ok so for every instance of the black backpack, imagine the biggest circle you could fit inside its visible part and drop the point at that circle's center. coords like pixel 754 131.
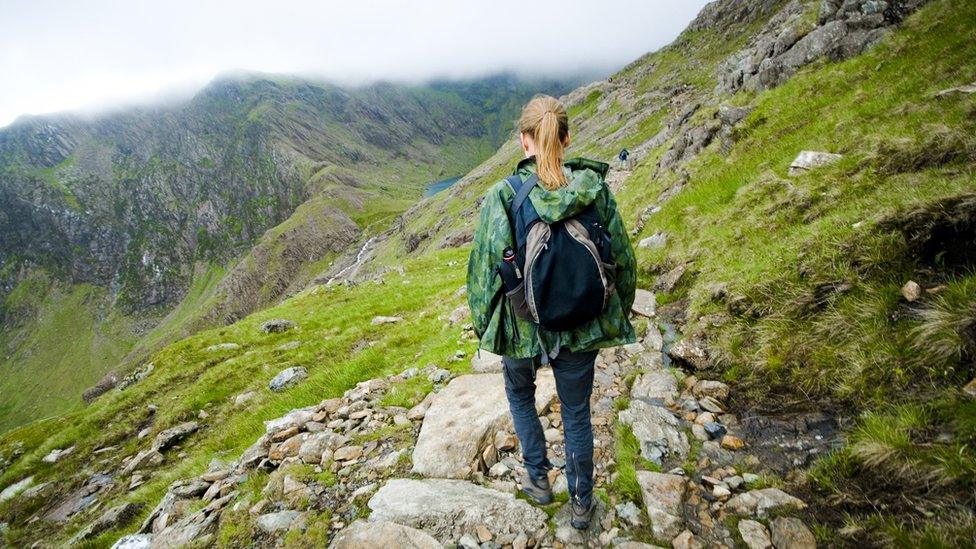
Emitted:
pixel 560 275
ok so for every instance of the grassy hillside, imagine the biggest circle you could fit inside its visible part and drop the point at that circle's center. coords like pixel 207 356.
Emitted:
pixel 792 283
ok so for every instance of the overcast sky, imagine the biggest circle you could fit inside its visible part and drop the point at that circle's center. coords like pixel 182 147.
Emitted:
pixel 87 54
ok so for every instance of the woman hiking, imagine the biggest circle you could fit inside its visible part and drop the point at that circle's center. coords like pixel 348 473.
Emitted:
pixel 551 279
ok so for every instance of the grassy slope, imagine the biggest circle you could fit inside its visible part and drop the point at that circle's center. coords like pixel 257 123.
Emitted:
pixel 857 352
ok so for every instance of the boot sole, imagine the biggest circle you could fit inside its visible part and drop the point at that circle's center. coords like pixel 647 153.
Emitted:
pixel 543 501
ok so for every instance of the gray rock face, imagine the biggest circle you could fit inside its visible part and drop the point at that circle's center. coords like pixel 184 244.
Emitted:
pixel 657 430
pixel 788 42
pixel 662 495
pixel 381 534
pixel 114 517
pixel 463 417
pixel 171 436
pixel 657 240
pixel 448 509
pixel 808 160
pixel 287 378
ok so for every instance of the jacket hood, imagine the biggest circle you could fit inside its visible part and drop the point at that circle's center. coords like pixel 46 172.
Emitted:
pixel 584 183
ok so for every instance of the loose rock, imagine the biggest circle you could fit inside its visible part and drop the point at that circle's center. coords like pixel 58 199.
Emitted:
pixel 287 378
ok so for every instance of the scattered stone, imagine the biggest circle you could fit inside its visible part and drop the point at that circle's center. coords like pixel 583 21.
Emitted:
pixel 658 388
pixel 733 443
pixel 808 160
pixel 439 375
pixel 505 441
pixel 15 489
pixel 486 362
pixel 459 314
pixel 451 508
pixel 460 418
pixel 244 398
pixel 686 540
pixel 657 240
pixel 663 494
pixel 113 518
pixel 791 533
pixel 689 353
pixel 289 346
pixel 629 513
pixel 715 430
pixel 377 320
pixel 277 326
pixel 731 115
pixel 657 431
pixel 222 347
pixel 754 534
pixel 348 453
pixel 911 291
pixel 962 90
pixel 288 378
pixel 721 492
pixel 714 389
pixel 711 405
pixel 970 388
pixel 760 502
pixel 57 454
pixel 274 523
pixel 171 436
pixel 645 303
pixel 381 534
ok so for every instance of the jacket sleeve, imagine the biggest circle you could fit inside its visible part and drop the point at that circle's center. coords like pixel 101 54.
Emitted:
pixel 623 254
pixel 493 234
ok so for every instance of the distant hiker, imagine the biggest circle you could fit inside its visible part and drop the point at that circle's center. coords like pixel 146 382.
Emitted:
pixel 625 159
pixel 551 279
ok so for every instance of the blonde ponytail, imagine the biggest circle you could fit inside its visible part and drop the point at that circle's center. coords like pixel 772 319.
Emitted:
pixel 544 119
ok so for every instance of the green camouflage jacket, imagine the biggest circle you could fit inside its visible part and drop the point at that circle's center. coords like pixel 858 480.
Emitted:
pixel 494 320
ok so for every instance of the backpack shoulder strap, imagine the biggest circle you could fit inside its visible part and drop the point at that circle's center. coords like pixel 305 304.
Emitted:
pixel 522 193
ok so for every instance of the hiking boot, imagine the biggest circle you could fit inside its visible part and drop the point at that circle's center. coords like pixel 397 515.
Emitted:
pixel 537 489
pixel 582 515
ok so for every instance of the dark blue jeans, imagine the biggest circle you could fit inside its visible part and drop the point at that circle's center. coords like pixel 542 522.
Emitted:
pixel 574 384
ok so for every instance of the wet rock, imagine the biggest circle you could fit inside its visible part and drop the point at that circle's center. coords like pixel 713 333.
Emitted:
pixel 690 353
pixel 378 320
pixel 754 534
pixel 381 534
pixel 287 378
pixel 165 439
pixel 715 430
pixel 276 523
pixel 760 502
pixel 911 291
pixel 462 417
pixel 657 431
pixel 663 494
pixel 447 509
pixel 277 326
pixel 808 160
pixel 791 533
pixel 644 303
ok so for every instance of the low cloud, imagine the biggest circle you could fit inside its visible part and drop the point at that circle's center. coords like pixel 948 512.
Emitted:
pixel 70 55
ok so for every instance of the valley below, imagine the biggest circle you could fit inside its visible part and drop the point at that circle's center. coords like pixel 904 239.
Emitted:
pixel 242 322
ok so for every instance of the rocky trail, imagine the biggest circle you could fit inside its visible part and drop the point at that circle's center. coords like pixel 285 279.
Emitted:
pixel 444 472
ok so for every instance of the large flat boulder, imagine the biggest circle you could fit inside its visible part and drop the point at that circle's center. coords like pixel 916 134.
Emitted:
pixel 380 534
pixel 463 417
pixel 449 509
pixel 663 494
pixel 657 430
